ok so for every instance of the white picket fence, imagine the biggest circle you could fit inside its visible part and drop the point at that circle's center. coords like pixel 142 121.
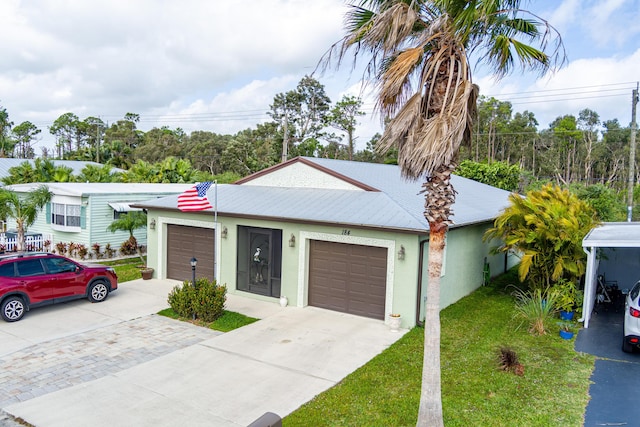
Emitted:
pixel 31 243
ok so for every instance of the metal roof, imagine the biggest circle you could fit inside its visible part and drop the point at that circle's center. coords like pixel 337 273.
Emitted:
pixel 475 202
pixel 80 189
pixel 398 205
pixel 613 235
pixel 123 206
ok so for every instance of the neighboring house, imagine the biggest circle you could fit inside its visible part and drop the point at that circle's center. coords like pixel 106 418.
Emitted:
pixel 340 235
pixel 81 212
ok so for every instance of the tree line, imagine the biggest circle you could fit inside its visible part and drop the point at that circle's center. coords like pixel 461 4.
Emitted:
pixel 574 150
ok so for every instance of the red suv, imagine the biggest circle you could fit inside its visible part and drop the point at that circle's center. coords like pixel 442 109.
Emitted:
pixel 29 280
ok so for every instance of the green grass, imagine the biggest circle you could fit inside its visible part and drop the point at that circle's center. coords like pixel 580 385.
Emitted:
pixel 475 392
pixel 126 269
pixel 229 320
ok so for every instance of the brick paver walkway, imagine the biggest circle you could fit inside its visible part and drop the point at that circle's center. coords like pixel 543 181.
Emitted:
pixel 54 365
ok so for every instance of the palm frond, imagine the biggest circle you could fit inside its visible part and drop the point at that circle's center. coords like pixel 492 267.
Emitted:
pixel 396 81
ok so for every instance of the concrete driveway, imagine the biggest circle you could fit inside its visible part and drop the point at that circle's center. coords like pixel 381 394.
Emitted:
pixel 614 381
pixel 116 363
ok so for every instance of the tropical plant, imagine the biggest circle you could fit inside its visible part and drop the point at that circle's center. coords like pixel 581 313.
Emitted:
pixel 418 57
pixel 130 221
pixel 567 295
pixel 24 209
pixel 547 228
pixel 536 307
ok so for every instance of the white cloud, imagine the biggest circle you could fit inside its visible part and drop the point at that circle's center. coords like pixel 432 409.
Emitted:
pixel 216 66
pixel 600 84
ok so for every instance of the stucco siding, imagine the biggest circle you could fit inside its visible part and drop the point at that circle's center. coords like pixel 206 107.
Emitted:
pixel 465 254
pixel 402 276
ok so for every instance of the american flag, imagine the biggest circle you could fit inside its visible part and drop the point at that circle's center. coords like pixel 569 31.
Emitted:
pixel 195 198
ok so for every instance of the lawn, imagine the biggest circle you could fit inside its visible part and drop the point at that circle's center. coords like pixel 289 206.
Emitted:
pixel 475 392
pixel 127 269
pixel 229 320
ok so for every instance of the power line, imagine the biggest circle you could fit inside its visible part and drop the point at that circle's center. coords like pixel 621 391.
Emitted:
pixel 526 97
pixel 571 88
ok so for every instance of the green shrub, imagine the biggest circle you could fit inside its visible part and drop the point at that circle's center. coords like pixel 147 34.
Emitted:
pixel 210 299
pixel 205 300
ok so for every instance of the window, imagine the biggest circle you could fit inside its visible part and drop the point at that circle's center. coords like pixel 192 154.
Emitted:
pixel 59 265
pixel 118 214
pixel 65 215
pixel 30 267
pixel 7 270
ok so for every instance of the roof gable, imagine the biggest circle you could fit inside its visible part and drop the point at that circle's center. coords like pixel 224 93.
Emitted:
pixel 302 172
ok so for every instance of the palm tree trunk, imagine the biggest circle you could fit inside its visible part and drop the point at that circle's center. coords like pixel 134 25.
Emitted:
pixel 430 412
pixel 439 197
pixel 20 237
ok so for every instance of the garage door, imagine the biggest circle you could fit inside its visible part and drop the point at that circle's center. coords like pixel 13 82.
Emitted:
pixel 184 243
pixel 348 278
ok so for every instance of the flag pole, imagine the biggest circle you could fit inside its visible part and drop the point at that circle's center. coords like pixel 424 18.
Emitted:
pixel 215 221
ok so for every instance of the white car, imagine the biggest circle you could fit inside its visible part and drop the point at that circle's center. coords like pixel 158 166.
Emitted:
pixel 631 338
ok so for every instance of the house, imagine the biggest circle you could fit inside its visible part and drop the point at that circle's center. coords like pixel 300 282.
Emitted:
pixel 341 235
pixel 81 212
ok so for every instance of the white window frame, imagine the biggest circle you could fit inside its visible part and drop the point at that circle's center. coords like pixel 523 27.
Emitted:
pixel 70 214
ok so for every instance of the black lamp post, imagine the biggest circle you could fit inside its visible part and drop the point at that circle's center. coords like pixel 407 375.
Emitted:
pixel 194 262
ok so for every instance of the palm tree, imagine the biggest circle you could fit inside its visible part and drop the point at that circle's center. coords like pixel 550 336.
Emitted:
pixel 418 54
pixel 129 222
pixel 23 209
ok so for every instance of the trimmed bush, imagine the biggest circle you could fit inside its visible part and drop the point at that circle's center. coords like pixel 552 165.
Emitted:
pixel 205 300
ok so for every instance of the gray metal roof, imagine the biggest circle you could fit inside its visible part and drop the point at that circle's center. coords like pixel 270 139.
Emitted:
pixel 84 189
pixel 75 165
pixel 475 202
pixel 613 235
pixel 398 205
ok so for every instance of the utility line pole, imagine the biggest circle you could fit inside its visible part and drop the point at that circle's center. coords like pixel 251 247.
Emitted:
pixel 632 152
pixel 98 142
pixel 285 139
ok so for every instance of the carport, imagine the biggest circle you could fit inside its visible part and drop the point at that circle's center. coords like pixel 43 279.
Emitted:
pixel 613 251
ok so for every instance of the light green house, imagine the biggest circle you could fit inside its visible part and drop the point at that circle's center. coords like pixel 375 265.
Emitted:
pixel 81 212
pixel 344 236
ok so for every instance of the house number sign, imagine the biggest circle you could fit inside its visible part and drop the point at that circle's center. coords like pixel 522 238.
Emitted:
pixel 346 232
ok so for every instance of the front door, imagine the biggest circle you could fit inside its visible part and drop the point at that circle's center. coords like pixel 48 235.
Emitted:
pixel 259 259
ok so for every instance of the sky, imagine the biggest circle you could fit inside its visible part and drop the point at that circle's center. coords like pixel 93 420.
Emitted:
pixel 217 66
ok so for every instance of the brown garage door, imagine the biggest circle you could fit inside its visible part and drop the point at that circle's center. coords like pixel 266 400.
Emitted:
pixel 348 278
pixel 184 243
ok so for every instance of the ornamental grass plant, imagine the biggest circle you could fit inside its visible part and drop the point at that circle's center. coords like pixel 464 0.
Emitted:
pixel 535 307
